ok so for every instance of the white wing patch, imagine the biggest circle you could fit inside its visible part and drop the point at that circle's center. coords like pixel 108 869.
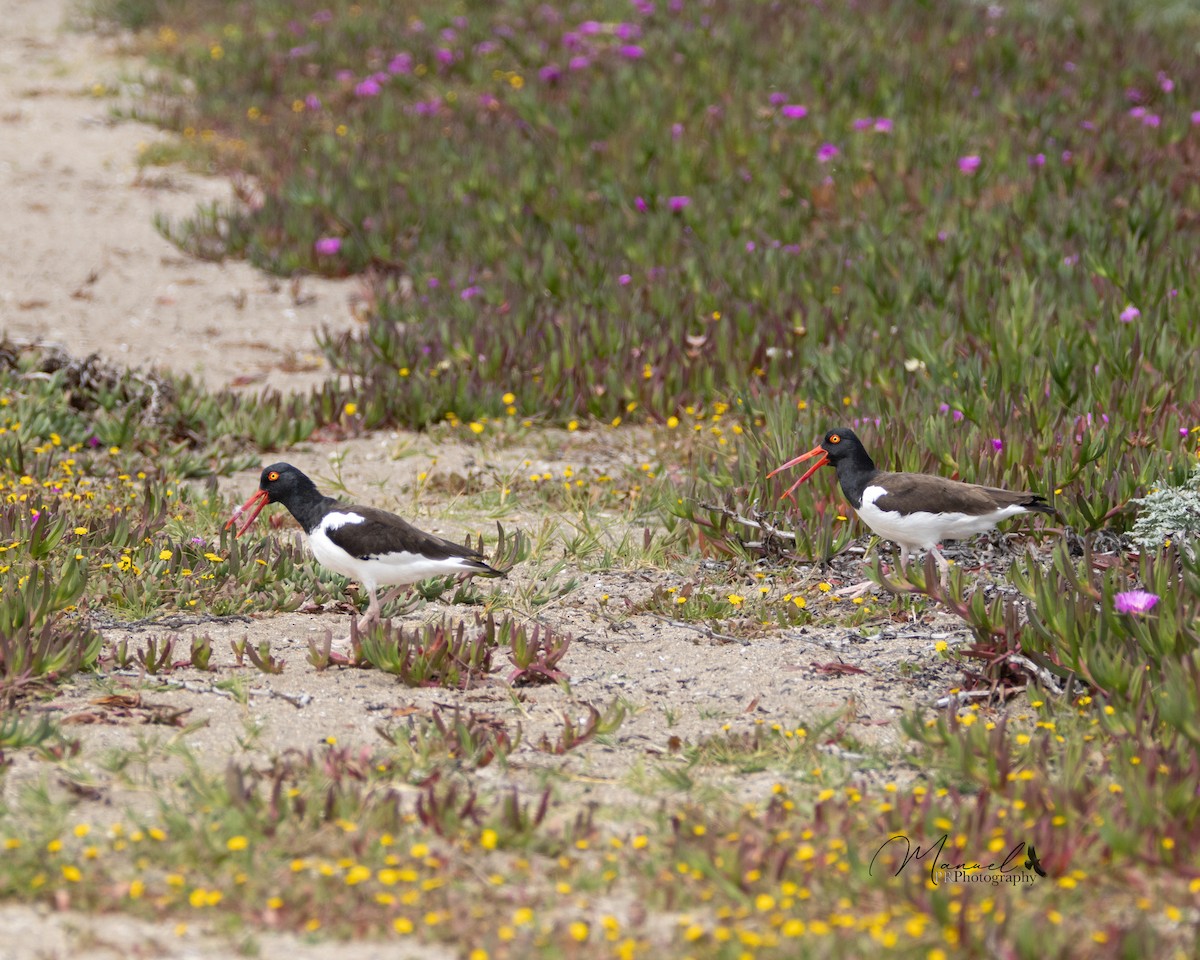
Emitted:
pixel 924 529
pixel 334 520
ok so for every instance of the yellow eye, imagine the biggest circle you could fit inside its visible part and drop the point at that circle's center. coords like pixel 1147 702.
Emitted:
pixel 834 438
pixel 272 475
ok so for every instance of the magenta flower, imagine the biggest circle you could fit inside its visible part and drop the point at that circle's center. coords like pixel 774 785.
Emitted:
pixel 1134 601
pixel 969 164
pixel 794 111
pixel 997 444
pixel 631 51
pixel 1130 313
pixel 777 98
pixel 1196 116
pixel 327 246
pixel 1037 160
pixel 550 73
pixel 679 203
pixel 883 125
pixel 1152 120
pixel 468 292
pixel 640 204
pixel 627 31
pixel 750 246
pixel 368 88
pixel 579 63
pixel 400 63
pixel 624 279
pixel 1165 83
pixel 313 102
pixel 864 123
pixel 827 152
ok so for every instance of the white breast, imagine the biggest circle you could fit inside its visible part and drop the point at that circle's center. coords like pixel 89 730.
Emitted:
pixel 925 529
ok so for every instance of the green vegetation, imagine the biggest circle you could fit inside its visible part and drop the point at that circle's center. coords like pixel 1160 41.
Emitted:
pixel 968 231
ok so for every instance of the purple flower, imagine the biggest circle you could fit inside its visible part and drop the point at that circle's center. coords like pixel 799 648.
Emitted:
pixel 433 283
pixel 344 76
pixel 1037 160
pixel 368 88
pixel 1130 313
pixel 1134 601
pixel 1137 112
pixel 550 73
pixel 472 291
pixel 826 152
pixel 794 111
pixel 997 444
pixel 313 102
pixel 956 416
pixel 777 98
pixel 444 56
pixel 864 123
pixel 644 7
pixel 591 27
pixel 943 408
pixel 484 47
pixel 1196 116
pixel 1152 120
pixel 676 204
pixel 400 63
pixel 627 31
pixel 1165 83
pixel 198 541
pixel 676 131
pixel 631 51
pixel 1066 156
pixel 322 16
pixel 327 246
pixel 969 164
pixel 883 125
pixel 579 63
pixel 750 246
pixel 640 204
pixel 624 279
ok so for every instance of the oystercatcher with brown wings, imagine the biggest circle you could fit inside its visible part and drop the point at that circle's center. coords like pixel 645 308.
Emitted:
pixel 366 544
pixel 915 510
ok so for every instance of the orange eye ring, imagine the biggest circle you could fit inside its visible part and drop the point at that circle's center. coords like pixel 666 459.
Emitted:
pixel 272 475
pixel 834 438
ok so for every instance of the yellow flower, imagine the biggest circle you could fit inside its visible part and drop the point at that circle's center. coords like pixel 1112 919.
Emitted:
pixel 488 839
pixel 508 399
pixel 736 599
pixel 476 427
pixel 402 925
pixel 81 531
pixel 71 874
pixel 164 554
pixel 579 931
pixel 237 843
pixel 350 409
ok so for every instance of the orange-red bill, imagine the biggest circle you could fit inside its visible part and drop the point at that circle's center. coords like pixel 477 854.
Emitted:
pixel 260 499
pixel 822 458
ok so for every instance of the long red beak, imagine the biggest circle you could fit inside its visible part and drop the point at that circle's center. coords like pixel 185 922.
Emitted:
pixel 822 459
pixel 260 499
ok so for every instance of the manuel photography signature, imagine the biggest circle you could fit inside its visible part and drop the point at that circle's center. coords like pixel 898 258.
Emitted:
pixel 1020 858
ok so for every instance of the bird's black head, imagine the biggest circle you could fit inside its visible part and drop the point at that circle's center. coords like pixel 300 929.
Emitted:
pixel 280 481
pixel 840 444
pixel 841 448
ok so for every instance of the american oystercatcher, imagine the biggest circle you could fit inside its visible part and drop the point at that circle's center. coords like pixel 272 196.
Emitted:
pixel 366 544
pixel 916 510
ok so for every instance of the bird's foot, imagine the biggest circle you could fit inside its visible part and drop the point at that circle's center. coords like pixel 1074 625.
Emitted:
pixel 855 590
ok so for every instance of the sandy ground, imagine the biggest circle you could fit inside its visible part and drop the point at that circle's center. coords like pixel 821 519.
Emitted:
pixel 84 268
pixel 83 264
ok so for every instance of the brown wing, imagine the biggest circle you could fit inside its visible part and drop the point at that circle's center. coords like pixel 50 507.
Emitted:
pixel 913 492
pixel 382 533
